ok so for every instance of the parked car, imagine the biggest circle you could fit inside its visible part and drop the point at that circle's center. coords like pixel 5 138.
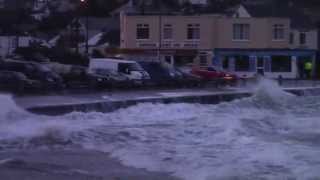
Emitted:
pixel 76 77
pixel 131 69
pixel 17 82
pixel 190 79
pixel 35 71
pixel 108 77
pixel 182 78
pixel 214 74
pixel 160 76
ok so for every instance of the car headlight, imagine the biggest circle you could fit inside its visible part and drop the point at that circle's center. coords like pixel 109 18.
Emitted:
pixel 50 80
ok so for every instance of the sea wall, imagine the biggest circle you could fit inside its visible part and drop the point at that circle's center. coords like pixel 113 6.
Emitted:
pixel 109 106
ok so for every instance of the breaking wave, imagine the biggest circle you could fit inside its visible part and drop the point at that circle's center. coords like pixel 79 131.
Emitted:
pixel 271 135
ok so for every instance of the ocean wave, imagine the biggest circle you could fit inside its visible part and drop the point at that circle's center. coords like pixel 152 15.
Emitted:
pixel 271 135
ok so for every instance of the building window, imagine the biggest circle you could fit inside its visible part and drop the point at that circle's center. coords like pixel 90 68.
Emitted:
pixel 143 31
pixel 303 38
pixel 203 60
pixel 281 64
pixel 168 59
pixel 291 40
pixel 241 31
pixel 225 62
pixel 193 31
pixel 14 43
pixel 278 32
pixel 167 32
pixel 242 63
pixel 1 3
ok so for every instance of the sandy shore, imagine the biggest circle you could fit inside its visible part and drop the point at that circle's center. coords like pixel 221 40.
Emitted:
pixel 69 165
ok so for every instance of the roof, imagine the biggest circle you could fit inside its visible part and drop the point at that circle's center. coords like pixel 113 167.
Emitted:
pixel 101 24
pixel 267 51
pixel 148 7
pixel 299 19
pixel 98 26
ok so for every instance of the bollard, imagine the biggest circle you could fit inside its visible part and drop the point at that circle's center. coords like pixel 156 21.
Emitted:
pixel 280 80
pixel 314 81
pixel 244 80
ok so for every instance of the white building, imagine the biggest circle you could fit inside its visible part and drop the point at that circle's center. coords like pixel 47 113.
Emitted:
pixel 9 43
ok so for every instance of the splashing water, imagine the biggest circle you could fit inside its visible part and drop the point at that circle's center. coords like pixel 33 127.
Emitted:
pixel 271 135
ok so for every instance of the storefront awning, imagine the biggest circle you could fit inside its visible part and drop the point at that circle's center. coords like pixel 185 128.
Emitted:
pixel 265 52
pixel 175 52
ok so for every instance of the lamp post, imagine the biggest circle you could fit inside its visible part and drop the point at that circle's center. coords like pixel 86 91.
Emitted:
pixel 160 37
pixel 85 4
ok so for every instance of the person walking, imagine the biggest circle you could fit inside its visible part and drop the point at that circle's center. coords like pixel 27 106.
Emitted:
pixel 308 69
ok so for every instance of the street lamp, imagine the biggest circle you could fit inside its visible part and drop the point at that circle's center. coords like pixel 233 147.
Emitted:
pixel 84 3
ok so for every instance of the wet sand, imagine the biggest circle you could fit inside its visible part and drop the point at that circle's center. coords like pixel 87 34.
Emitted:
pixel 69 165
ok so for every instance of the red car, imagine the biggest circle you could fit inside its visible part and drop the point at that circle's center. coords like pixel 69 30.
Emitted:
pixel 211 73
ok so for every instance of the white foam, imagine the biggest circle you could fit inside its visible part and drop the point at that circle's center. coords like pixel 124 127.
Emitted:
pixel 248 138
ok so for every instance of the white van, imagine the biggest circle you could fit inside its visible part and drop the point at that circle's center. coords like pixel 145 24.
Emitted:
pixel 131 69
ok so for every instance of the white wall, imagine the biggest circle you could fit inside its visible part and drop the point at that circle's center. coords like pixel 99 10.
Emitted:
pixel 311 39
pixel 241 12
pixel 8 44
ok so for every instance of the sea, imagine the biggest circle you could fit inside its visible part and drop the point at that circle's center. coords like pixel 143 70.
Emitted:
pixel 272 135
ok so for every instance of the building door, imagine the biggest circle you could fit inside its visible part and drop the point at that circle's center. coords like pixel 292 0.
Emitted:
pixel 260 65
pixel 169 60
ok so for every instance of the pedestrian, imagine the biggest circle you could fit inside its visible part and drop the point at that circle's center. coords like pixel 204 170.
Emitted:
pixel 308 69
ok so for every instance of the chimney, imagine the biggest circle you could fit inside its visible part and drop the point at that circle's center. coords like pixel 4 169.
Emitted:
pixel 131 3
pixel 290 4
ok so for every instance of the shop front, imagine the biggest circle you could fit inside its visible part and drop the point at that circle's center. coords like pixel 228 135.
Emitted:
pixel 272 63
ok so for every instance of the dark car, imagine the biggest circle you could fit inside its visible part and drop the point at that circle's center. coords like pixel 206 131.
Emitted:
pixel 115 79
pixel 17 82
pixel 190 80
pixel 35 71
pixel 160 76
pixel 77 77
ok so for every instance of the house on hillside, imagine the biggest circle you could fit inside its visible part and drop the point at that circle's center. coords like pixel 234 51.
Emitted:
pixel 8 5
pixel 9 43
pixel 40 9
pixel 147 7
pixel 99 32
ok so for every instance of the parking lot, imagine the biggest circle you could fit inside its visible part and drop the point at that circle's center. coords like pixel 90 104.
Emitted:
pixel 26 77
